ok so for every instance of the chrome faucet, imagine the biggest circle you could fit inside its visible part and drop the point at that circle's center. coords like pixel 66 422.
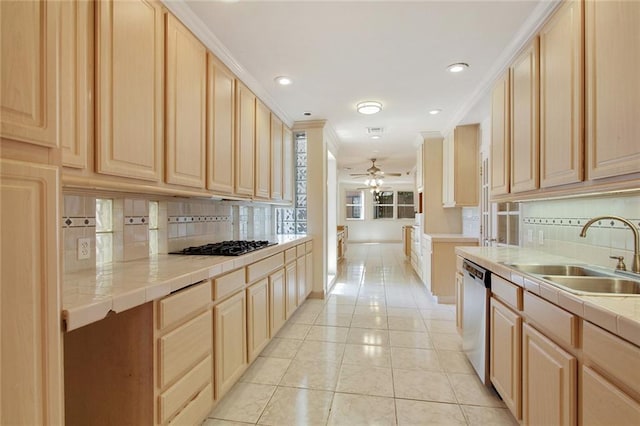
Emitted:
pixel 635 266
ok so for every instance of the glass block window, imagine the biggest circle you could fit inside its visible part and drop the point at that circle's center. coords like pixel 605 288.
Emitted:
pixel 104 231
pixel 383 205
pixel 406 208
pixel 293 220
pixel 354 207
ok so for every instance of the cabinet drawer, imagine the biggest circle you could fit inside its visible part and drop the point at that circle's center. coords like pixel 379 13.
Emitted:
pixel 186 388
pixel 181 304
pixel 182 348
pixel 555 321
pixel 611 355
pixel 308 246
pixel 263 267
pixel 290 255
pixel 508 292
pixel 228 284
pixel 197 410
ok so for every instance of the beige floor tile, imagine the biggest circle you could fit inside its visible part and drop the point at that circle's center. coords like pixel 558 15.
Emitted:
pixel 320 351
pixel 312 375
pixel 441 326
pixel 218 422
pixel 301 317
pixel 342 299
pixel 366 309
pixel 428 413
pixel 415 359
pixel 244 403
pixel 455 362
pixel 291 406
pixel 356 410
pixel 438 314
pixel 368 336
pixel 338 309
pixel 369 355
pixel 365 380
pixel 336 320
pixel 469 390
pixel 328 334
pixel 281 348
pixel 486 416
pixel 422 385
pixel 406 323
pixel 410 339
pixel 369 321
pixel 404 312
pixel 294 331
pixel 266 371
pixel 446 341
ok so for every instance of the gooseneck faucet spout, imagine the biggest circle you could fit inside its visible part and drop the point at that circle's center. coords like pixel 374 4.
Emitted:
pixel 635 267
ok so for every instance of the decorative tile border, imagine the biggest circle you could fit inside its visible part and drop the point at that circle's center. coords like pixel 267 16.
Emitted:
pixel 136 220
pixel 577 222
pixel 78 222
pixel 194 219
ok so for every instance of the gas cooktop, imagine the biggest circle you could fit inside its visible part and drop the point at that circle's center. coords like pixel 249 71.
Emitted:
pixel 226 248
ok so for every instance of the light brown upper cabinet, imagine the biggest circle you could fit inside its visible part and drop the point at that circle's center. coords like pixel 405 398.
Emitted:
pixel 500 136
pixel 461 168
pixel 561 97
pixel 220 127
pixel 262 152
pixel 612 85
pixel 287 164
pixel 276 158
pixel 76 82
pixel 245 139
pixel 29 71
pixel 525 141
pixel 129 88
pixel 186 75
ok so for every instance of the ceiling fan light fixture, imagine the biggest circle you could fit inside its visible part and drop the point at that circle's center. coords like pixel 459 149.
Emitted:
pixel 457 67
pixel 435 111
pixel 369 107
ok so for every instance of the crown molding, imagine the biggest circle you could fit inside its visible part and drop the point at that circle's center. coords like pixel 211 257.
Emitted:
pixel 192 21
pixel 431 135
pixel 525 34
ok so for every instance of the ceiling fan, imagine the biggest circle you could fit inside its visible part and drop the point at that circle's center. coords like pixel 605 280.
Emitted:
pixel 375 172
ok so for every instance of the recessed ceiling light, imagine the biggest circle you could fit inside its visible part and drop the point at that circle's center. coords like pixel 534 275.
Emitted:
pixel 457 67
pixel 375 137
pixel 435 111
pixel 369 107
pixel 283 81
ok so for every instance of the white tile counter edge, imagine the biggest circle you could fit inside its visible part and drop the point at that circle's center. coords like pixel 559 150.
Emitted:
pixel 618 314
pixel 88 296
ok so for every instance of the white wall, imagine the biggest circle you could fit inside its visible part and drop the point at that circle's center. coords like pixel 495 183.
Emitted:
pixel 372 230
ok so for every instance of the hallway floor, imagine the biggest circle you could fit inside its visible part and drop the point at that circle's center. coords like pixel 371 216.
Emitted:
pixel 378 351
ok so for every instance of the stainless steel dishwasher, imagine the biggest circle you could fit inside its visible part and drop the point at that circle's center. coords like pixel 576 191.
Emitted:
pixel 475 321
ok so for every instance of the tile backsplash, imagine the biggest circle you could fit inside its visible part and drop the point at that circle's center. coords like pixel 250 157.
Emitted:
pixel 554 226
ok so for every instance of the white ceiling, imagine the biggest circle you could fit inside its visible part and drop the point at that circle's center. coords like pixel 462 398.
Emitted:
pixel 341 53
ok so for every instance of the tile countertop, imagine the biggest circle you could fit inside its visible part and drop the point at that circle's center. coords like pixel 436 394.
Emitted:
pixel 617 314
pixel 89 295
pixel 451 238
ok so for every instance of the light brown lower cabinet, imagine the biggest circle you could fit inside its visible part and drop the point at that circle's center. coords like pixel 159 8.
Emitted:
pixel 301 271
pixel 291 289
pixel 258 332
pixel 459 300
pixel 277 301
pixel 605 404
pixel 549 381
pixel 309 273
pixel 505 358
pixel 230 349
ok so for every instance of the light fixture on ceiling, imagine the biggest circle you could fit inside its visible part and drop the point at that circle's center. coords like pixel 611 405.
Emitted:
pixel 283 80
pixel 369 107
pixel 457 67
pixel 435 111
pixel 375 137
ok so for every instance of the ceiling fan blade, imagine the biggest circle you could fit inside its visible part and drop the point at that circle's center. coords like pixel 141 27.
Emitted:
pixel 393 174
pixel 358 174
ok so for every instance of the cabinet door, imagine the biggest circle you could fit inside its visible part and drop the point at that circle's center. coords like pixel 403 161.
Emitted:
pixel 129 88
pixel 29 71
pixel 31 362
pixel 230 324
pixel 220 127
pixel 301 276
pixel 287 164
pixel 549 381
pixel 245 139
pixel 257 318
pixel 76 82
pixel 459 300
pixel 466 165
pixel 448 199
pixel 505 368
pixel 612 58
pixel 605 404
pixel 500 135
pixel 561 98
pixel 262 152
pixel 524 121
pixel 276 158
pixel 292 289
pixel 309 274
pixel 277 301
pixel 186 74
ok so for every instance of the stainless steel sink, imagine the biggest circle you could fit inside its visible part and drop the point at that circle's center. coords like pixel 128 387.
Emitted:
pixel 590 284
pixel 561 270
